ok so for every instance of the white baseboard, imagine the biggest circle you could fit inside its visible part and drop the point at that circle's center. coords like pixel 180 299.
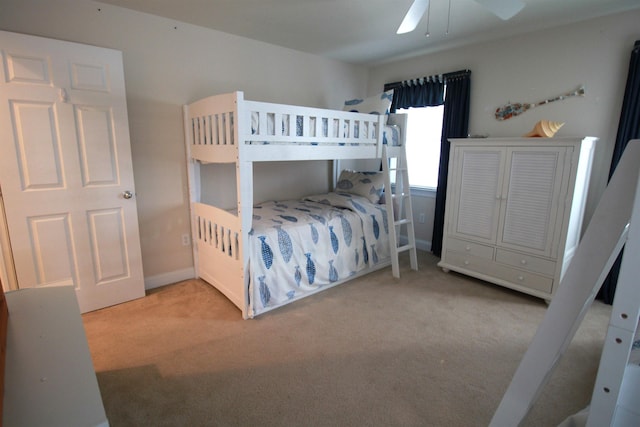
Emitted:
pixel 423 245
pixel 169 278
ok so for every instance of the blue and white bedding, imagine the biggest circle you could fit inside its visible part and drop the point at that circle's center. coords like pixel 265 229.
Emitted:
pixel 300 246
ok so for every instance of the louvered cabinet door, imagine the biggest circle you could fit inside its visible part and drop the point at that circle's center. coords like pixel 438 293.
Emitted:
pixel 531 199
pixel 475 203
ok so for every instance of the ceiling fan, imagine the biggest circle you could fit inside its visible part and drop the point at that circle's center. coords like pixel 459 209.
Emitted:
pixel 504 9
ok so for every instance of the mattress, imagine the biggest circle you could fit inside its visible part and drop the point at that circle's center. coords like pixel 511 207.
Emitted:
pixel 298 247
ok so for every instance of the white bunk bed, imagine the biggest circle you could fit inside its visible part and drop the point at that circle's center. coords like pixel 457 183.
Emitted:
pixel 232 255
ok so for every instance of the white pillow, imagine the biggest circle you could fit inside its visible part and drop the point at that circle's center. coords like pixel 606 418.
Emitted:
pixel 378 104
pixel 366 184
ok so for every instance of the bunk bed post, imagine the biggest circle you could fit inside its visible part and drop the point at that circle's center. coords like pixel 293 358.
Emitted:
pixel 244 177
pixel 336 166
pixel 244 188
pixel 193 180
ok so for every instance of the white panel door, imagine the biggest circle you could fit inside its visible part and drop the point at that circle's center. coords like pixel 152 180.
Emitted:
pixel 65 169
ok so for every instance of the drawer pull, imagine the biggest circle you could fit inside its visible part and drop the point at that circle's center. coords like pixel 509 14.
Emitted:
pixel 467 248
pixel 523 261
pixel 521 278
pixel 466 262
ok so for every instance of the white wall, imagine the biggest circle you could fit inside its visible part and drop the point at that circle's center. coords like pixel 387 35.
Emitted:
pixel 168 64
pixel 534 67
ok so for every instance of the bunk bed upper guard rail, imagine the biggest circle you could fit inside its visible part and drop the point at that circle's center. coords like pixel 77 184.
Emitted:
pixel 222 125
pixel 298 124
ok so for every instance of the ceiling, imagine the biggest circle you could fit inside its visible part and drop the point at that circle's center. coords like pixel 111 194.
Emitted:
pixel 364 31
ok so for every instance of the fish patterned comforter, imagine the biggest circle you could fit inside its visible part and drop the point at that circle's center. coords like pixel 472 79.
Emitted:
pixel 300 246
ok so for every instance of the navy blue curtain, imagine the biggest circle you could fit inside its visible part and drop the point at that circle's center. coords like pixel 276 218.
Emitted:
pixel 454 91
pixel 426 92
pixel 455 125
pixel 628 129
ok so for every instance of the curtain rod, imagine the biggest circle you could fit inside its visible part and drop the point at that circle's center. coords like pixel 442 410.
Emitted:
pixel 446 76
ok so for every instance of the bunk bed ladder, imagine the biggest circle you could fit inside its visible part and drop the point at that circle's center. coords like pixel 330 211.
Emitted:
pixel 399 210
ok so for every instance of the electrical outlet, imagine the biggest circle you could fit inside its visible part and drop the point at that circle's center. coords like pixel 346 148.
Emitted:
pixel 421 218
pixel 186 241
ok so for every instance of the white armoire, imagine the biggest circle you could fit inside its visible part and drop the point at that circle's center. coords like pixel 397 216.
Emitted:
pixel 514 209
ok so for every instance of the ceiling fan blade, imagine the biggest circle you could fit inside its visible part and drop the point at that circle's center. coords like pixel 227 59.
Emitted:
pixel 503 9
pixel 413 16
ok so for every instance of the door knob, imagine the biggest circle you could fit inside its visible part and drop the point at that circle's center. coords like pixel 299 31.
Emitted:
pixel 127 194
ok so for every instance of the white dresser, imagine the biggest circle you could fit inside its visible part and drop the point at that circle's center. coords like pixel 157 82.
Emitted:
pixel 514 209
pixel 49 378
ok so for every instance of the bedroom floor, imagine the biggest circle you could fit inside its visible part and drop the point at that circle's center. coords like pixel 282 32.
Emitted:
pixel 432 349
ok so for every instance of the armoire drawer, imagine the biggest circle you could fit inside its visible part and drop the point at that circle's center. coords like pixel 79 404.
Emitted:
pixel 524 278
pixel 498 271
pixel 526 262
pixel 470 248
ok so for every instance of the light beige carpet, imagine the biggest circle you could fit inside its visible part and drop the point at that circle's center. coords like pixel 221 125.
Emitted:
pixel 430 349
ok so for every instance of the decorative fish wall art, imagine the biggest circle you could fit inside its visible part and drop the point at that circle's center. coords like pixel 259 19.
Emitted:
pixel 511 110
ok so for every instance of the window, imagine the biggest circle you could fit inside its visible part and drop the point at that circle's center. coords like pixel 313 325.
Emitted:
pixel 424 131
